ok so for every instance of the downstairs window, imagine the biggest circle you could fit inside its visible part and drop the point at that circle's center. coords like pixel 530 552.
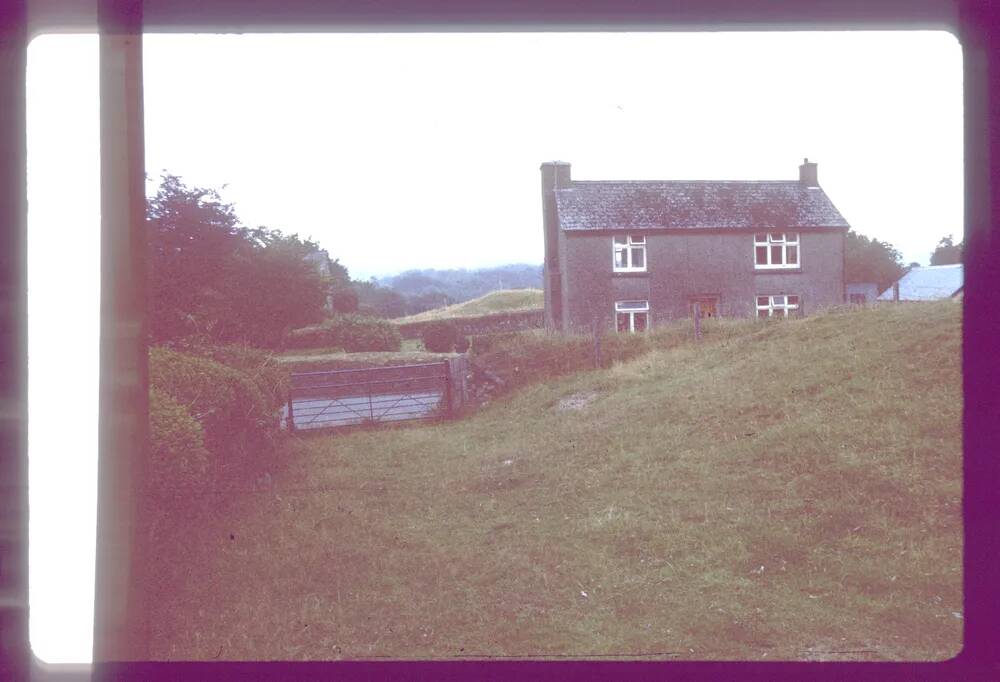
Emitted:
pixel 777 306
pixel 631 316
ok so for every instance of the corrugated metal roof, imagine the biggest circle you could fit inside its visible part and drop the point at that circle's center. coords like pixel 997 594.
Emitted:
pixel 645 205
pixel 928 284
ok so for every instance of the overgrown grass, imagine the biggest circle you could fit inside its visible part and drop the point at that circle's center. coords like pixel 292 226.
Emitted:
pixel 785 491
pixel 510 300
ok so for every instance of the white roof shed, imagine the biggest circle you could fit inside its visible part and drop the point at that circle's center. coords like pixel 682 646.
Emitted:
pixel 928 284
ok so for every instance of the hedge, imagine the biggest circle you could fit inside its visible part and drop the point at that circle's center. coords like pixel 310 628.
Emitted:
pixel 177 442
pixel 520 358
pixel 239 419
pixel 351 333
pixel 444 336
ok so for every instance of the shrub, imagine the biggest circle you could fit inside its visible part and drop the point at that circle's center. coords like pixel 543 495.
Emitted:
pixel 523 357
pixel 443 336
pixel 358 334
pixel 352 333
pixel 177 443
pixel 237 416
pixel 310 337
pixel 269 376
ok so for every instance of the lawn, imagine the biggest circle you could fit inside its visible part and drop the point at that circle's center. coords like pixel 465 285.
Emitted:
pixel 788 491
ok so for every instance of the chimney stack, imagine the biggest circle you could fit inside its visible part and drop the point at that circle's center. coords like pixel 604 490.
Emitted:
pixel 807 174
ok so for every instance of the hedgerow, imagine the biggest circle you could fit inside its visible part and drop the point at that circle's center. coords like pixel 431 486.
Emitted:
pixel 349 332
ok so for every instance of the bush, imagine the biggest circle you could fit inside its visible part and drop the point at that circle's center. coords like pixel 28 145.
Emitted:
pixel 443 336
pixel 524 357
pixel 261 367
pixel 237 416
pixel 352 333
pixel 177 443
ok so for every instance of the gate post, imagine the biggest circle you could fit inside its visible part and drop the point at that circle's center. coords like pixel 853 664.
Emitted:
pixel 371 407
pixel 447 388
pixel 290 419
pixel 697 320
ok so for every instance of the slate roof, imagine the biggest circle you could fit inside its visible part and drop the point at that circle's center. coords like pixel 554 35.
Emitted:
pixel 928 284
pixel 635 205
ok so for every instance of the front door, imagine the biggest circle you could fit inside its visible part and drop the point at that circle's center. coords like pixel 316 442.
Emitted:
pixel 709 305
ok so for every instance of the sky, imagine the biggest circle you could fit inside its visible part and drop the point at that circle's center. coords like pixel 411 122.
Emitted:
pixel 416 150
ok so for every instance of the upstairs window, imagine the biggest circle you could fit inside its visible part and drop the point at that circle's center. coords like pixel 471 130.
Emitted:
pixel 631 316
pixel 777 306
pixel 630 253
pixel 775 250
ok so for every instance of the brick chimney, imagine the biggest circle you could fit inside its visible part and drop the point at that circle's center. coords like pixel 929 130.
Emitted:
pixel 807 174
pixel 555 175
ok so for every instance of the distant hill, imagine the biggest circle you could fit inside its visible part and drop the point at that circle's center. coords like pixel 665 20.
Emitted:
pixel 463 285
pixel 493 302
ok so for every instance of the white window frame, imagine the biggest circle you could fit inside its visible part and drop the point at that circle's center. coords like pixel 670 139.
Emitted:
pixel 776 303
pixel 630 308
pixel 782 239
pixel 632 242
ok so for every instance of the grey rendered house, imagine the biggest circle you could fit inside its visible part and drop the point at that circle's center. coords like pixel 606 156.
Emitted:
pixel 628 255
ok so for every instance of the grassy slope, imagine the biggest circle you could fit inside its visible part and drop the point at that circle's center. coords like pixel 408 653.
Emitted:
pixel 790 492
pixel 494 302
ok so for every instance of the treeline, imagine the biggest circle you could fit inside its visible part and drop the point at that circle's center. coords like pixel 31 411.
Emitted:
pixel 213 280
pixel 871 260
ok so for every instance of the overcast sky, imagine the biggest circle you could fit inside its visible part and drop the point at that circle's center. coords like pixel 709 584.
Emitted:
pixel 406 151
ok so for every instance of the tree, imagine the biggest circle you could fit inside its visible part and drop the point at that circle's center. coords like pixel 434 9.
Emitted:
pixel 192 234
pixel 871 260
pixel 428 300
pixel 267 291
pixel 947 252
pixel 378 300
pixel 211 277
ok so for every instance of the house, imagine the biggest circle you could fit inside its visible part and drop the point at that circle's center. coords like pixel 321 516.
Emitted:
pixel 628 255
pixel 861 293
pixel 926 284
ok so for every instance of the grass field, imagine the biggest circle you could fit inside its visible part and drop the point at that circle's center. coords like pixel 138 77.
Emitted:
pixel 509 300
pixel 784 491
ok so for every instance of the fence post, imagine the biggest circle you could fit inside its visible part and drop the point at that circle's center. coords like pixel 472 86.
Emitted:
pixel 447 387
pixel 371 407
pixel 697 320
pixel 596 329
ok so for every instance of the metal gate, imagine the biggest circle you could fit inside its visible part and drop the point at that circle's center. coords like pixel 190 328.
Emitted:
pixel 372 395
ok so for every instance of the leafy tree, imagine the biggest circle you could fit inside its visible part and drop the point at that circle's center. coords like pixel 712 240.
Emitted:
pixel 378 300
pixel 192 233
pixel 871 260
pixel 428 300
pixel 267 291
pixel 947 252
pixel 213 278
